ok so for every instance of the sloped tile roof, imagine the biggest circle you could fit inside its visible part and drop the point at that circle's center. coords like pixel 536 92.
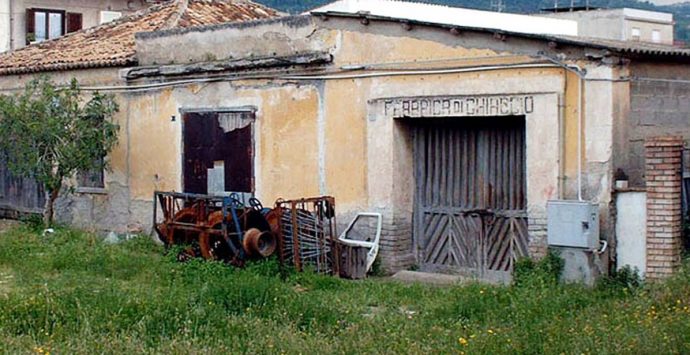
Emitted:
pixel 112 44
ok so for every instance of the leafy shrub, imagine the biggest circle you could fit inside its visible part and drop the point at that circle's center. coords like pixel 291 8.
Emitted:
pixel 33 222
pixel 546 271
pixel 625 279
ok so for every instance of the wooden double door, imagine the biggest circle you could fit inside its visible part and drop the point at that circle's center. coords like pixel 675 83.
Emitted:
pixel 470 214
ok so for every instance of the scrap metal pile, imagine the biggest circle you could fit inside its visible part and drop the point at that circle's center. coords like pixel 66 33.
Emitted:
pixel 229 229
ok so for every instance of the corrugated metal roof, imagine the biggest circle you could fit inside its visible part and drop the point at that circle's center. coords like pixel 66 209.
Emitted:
pixel 630 47
pixel 440 14
pixel 113 44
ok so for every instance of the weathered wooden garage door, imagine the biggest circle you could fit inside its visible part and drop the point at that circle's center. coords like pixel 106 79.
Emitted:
pixel 470 202
pixel 19 196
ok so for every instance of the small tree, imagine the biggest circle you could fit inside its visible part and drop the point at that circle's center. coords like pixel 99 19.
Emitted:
pixel 50 134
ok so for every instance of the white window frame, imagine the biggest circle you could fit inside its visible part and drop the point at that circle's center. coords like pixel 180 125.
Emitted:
pixel 636 34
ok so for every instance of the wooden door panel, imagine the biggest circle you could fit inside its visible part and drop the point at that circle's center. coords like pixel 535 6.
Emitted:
pixel 470 198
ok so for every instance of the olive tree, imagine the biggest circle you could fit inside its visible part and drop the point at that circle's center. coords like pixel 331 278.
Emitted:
pixel 50 134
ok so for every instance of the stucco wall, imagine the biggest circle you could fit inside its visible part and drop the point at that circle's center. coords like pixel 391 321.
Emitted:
pixel 666 34
pixel 5 24
pixel 284 36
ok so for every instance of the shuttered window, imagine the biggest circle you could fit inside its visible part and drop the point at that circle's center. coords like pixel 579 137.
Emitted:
pixel 44 24
pixel 74 22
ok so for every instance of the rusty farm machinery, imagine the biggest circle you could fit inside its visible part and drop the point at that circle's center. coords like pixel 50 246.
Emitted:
pixel 236 228
pixel 223 228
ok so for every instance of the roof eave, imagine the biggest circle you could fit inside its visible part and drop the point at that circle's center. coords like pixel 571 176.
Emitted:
pixel 684 54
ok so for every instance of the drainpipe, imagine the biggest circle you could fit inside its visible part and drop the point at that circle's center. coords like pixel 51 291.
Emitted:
pixel 579 137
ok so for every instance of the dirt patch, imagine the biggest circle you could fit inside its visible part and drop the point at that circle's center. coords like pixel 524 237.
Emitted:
pixel 7 224
pixel 6 281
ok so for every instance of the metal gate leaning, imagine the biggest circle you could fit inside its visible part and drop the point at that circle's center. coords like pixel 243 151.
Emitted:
pixel 470 214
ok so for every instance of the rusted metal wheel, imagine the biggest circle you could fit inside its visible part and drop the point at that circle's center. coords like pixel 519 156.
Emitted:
pixel 259 243
pixel 214 246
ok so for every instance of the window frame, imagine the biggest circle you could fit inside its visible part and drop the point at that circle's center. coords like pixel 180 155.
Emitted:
pixel 47 12
pixel 634 36
pixel 86 181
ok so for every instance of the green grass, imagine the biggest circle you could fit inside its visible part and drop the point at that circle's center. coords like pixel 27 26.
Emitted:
pixel 70 293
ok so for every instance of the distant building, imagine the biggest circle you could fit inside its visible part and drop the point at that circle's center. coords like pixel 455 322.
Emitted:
pixel 620 24
pixel 28 21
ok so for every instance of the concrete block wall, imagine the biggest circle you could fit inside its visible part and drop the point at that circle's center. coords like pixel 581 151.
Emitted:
pixel 657 108
pixel 663 170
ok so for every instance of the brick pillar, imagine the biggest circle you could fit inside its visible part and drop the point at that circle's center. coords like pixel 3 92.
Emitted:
pixel 664 210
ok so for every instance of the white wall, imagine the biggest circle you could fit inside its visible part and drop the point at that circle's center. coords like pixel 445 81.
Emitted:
pixel 617 24
pixel 4 25
pixel 631 230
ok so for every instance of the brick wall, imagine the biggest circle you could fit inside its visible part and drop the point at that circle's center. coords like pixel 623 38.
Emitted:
pixel 664 211
pixel 538 245
pixel 396 244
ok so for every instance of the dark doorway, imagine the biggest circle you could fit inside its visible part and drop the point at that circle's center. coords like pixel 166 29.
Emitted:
pixel 470 213
pixel 218 152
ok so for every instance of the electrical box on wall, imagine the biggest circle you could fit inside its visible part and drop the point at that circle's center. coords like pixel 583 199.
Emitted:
pixel 573 224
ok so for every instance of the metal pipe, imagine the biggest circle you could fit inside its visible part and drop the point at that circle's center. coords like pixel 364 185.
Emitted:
pixel 144 87
pixel 581 75
pixel 580 154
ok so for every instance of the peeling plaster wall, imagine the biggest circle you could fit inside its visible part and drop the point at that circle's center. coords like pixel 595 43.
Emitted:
pixel 288 35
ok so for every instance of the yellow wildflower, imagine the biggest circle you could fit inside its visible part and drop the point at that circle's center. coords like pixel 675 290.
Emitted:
pixel 463 341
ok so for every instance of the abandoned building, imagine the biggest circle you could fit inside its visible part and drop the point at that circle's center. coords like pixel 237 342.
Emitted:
pixel 460 136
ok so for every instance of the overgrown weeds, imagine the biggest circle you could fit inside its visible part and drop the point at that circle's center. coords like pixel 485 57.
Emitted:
pixel 71 293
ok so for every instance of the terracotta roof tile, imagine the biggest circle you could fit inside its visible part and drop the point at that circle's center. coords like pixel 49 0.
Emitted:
pixel 113 44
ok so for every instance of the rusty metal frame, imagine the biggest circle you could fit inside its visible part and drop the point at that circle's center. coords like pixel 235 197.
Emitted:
pixel 316 244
